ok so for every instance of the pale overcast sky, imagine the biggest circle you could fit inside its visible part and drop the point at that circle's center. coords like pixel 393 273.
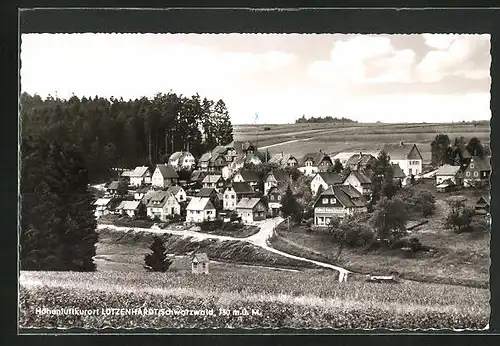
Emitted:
pixel 368 78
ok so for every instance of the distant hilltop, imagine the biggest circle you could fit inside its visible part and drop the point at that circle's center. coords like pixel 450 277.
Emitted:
pixel 328 119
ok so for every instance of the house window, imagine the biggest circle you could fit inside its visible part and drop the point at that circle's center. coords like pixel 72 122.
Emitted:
pixel 471 165
pixel 272 197
pixel 209 212
pixel 332 200
pixel 232 196
pixel 467 174
pixel 325 200
pixel 476 174
pixel 279 198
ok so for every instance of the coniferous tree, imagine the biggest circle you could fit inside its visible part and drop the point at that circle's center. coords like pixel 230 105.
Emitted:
pixel 57 221
pixel 157 260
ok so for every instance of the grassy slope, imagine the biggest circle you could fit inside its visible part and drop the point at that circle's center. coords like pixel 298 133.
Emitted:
pixel 284 299
pixel 333 138
pixel 124 251
pixel 457 258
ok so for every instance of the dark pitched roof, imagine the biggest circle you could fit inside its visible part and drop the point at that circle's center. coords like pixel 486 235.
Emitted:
pixel 206 192
pixel 197 175
pixel 362 178
pixel 281 176
pixel 347 195
pixel 200 258
pixel 212 178
pixel 206 157
pixel 398 151
pixel 397 171
pixel 483 164
pixel 249 175
pixel 219 150
pixel 362 159
pixel 331 178
pixel 248 203
pixel 315 157
pixel 241 187
pixel 167 171
pixel 159 197
pixel 174 189
pixel 113 185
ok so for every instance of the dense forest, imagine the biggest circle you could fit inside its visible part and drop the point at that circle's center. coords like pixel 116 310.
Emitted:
pixel 327 119
pixel 117 133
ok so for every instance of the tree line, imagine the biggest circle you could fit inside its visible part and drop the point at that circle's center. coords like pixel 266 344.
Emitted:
pixel 328 119
pixel 113 132
pixel 445 151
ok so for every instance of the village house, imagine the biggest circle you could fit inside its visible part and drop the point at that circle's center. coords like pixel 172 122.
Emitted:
pixel 182 160
pixel 251 209
pixel 164 176
pixel 274 178
pixel 399 176
pixel 274 196
pixel 325 180
pixel 360 161
pixel 247 176
pixel 197 177
pixel 140 176
pixel 235 192
pixel 112 188
pixel 200 209
pixel 102 207
pixel 199 264
pixel 478 169
pixel 343 157
pixel 338 201
pixel 213 195
pixel 243 147
pixel 126 174
pixel 483 204
pixel 204 161
pixel 283 160
pixel 178 193
pixel 360 181
pixel 407 156
pixel 140 192
pixel 448 172
pixel 129 208
pixel 216 163
pixel 147 196
pixel 214 181
pixel 162 204
pixel 313 163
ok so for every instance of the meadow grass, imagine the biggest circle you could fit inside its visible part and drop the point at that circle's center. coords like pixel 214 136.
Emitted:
pixel 311 299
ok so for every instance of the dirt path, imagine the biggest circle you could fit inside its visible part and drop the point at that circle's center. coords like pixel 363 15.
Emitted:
pixel 259 239
pixel 287 142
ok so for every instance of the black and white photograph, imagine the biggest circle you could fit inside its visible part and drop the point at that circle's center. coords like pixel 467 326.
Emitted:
pixel 243 181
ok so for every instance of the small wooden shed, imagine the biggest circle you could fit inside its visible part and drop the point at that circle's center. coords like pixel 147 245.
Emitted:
pixel 199 263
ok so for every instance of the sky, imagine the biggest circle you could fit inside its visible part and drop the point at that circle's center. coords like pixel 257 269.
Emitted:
pixel 280 77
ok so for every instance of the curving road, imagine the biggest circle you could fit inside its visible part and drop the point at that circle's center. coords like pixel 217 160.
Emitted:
pixel 258 239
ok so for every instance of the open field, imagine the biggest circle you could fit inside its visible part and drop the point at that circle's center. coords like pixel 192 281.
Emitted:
pixel 310 299
pixel 334 138
pixel 461 259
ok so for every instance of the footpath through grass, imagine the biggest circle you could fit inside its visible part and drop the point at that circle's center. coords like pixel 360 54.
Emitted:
pixel 310 299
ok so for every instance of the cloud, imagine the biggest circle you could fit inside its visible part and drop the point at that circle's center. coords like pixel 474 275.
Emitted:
pixel 133 65
pixel 364 59
pixel 464 55
pixel 439 41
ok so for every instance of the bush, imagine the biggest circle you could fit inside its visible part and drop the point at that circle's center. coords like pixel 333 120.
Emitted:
pixel 267 128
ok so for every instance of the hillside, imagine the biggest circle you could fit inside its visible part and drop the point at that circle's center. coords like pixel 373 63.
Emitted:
pixel 334 138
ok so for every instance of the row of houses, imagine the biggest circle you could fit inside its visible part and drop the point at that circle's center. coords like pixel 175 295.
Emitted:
pixel 477 169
